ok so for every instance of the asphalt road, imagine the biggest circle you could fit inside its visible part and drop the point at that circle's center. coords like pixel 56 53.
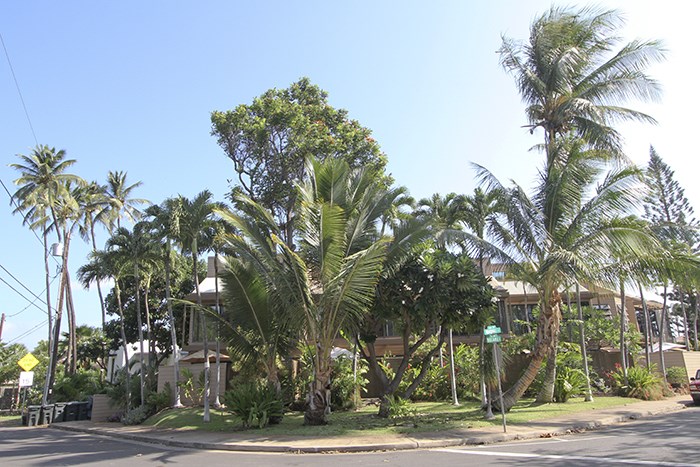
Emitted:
pixel 670 440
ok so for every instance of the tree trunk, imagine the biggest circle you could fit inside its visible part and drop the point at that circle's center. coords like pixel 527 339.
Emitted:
pixel 97 280
pixel 695 319
pixel 217 402
pixel 648 338
pixel 149 335
pixel 623 344
pixel 173 330
pixel 546 393
pixel 453 381
pixel 584 352
pixel 661 336
pixel 319 407
pixel 685 319
pixel 547 332
pixel 139 323
pixel 127 374
pixel 205 340
pixel 52 356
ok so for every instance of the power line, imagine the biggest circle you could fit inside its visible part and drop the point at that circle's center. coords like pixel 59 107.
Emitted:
pixel 20 294
pixel 21 98
pixel 22 284
pixel 30 331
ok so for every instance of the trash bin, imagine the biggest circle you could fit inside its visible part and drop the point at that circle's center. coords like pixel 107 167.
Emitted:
pixel 70 413
pixel 59 412
pixel 82 410
pixel 33 414
pixel 47 414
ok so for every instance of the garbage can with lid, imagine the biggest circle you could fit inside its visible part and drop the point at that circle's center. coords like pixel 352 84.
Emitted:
pixel 47 414
pixel 70 413
pixel 59 412
pixel 82 410
pixel 31 416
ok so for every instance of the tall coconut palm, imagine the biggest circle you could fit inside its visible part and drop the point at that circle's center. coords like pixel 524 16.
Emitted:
pixel 120 204
pixel 165 225
pixel 574 76
pixel 565 232
pixel 330 280
pixel 94 201
pixel 42 181
pixel 197 217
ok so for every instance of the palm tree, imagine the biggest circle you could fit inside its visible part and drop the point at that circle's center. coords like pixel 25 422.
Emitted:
pixel 135 249
pixel 42 182
pixel 564 233
pixel 573 77
pixel 120 204
pixel 110 264
pixel 330 280
pixel 94 201
pixel 198 216
pixel 165 227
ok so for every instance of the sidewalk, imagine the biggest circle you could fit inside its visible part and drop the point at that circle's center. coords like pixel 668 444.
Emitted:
pixel 250 441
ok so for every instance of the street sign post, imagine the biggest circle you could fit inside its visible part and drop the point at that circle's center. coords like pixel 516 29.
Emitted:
pixel 493 339
pixel 493 336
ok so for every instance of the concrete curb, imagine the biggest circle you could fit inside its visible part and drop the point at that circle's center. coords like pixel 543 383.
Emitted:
pixel 312 445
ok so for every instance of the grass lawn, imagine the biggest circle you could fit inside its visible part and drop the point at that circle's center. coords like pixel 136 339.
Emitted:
pixel 12 420
pixel 429 416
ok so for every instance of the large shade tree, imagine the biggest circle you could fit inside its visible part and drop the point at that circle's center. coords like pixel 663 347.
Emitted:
pixel 269 139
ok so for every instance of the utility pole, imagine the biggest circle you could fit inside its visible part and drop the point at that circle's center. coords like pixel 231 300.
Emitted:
pixel 2 323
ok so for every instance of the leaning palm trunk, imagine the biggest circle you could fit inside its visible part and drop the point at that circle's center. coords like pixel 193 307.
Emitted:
pixel 547 332
pixel 52 356
pixel 685 320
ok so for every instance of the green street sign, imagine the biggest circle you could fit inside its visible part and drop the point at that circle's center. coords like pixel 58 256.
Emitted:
pixel 491 330
pixel 493 339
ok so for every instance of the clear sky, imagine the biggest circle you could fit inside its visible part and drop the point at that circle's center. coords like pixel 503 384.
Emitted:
pixel 130 85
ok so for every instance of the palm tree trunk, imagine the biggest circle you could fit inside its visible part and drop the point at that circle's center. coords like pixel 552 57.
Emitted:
pixel 453 381
pixel 547 332
pixel 695 319
pixel 661 335
pixel 217 402
pixel 584 352
pixel 685 319
pixel 57 333
pixel 149 336
pixel 139 323
pixel 647 327
pixel 320 389
pixel 173 330
pixel 205 340
pixel 623 345
pixel 97 280
pixel 52 356
pixel 127 373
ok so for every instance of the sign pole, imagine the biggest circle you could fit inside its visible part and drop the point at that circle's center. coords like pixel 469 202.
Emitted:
pixel 500 389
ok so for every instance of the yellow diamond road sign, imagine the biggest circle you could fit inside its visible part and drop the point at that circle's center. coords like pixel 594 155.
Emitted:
pixel 28 362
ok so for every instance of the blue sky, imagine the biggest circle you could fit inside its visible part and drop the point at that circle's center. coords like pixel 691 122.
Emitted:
pixel 130 85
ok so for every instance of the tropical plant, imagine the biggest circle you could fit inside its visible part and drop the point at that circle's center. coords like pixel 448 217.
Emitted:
pixel 197 216
pixel 329 280
pixel 641 383
pixel 564 233
pixel 256 404
pixel 570 382
pixel 119 203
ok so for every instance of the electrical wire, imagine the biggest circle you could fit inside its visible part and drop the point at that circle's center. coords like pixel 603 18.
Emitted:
pixel 20 294
pixel 30 331
pixel 22 284
pixel 21 98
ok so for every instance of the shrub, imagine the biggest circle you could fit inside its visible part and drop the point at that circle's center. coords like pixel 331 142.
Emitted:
pixel 570 382
pixel 399 407
pixel 136 416
pixel 117 391
pixel 256 404
pixel 677 376
pixel 345 388
pixel 157 401
pixel 78 387
pixel 642 383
